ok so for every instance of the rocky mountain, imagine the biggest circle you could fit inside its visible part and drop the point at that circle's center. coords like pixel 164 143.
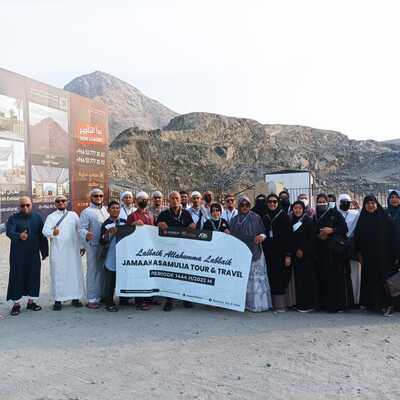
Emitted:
pixel 128 106
pixel 201 150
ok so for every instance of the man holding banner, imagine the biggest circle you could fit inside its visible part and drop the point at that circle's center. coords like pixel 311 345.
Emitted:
pixel 175 216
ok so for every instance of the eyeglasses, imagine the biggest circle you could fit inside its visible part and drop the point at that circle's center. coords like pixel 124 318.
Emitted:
pixel 229 200
pixel 25 205
pixel 98 195
pixel 273 201
pixel 247 205
pixel 61 201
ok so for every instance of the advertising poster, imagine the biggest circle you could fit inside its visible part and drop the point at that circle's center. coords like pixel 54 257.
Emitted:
pixel 52 142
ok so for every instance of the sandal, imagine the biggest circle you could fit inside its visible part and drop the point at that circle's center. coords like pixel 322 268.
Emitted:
pixel 16 309
pixel 145 307
pixel 111 308
pixel 33 306
pixel 93 306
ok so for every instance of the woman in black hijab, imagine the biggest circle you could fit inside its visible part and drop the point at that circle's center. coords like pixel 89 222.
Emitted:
pixel 277 251
pixel 333 269
pixel 303 248
pixel 375 241
pixel 260 206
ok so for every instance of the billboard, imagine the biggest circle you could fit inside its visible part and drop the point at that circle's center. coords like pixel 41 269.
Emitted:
pixel 51 142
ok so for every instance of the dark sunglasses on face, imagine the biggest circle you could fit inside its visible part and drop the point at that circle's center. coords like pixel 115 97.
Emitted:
pixel 247 205
pixel 61 201
pixel 25 205
pixel 98 195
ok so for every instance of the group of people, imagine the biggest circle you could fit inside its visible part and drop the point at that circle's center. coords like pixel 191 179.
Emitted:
pixel 331 258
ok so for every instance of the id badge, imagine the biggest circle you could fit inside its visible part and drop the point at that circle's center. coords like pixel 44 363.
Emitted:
pixel 271 234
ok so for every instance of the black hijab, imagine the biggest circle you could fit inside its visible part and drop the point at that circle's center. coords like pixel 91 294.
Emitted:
pixel 260 206
pixel 270 212
pixel 293 217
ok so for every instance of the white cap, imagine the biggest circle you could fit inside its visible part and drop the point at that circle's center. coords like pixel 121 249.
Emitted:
pixel 142 195
pixel 157 193
pixel 344 197
pixel 124 194
pixel 96 191
pixel 195 194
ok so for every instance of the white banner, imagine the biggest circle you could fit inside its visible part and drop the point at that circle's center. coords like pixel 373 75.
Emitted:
pixel 203 267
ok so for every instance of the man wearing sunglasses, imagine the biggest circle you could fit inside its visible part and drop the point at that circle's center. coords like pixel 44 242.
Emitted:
pixel 62 229
pixel 91 220
pixel 229 208
pixel 27 244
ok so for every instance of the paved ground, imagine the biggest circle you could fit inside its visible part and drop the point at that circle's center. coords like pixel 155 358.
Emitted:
pixel 201 353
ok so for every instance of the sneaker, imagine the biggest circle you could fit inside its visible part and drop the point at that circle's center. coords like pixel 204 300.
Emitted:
pixel 16 309
pixel 57 306
pixel 33 306
pixel 388 312
pixel 76 303
pixel 305 311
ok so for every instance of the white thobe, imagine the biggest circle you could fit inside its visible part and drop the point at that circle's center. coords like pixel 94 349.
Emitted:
pixel 351 218
pixel 227 214
pixel 65 261
pixel 126 211
pixel 196 214
pixel 91 220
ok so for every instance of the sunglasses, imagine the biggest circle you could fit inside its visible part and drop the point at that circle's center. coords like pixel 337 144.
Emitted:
pixel 229 200
pixel 25 205
pixel 273 201
pixel 61 201
pixel 247 205
pixel 98 195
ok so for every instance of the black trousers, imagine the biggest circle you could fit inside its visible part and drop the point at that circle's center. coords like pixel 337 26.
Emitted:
pixel 109 286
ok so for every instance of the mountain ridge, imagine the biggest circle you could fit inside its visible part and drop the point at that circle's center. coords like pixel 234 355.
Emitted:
pixel 127 105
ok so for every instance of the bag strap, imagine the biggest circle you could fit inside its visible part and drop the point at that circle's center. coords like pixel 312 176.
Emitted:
pixel 61 220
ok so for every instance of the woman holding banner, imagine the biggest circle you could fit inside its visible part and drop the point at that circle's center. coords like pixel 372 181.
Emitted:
pixel 249 228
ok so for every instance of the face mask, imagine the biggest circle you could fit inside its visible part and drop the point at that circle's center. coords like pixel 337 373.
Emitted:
pixel 321 208
pixel 142 204
pixel 332 204
pixel 305 202
pixel 344 205
pixel 285 202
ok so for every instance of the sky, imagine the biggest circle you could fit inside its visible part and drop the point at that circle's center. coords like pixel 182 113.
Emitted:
pixel 327 64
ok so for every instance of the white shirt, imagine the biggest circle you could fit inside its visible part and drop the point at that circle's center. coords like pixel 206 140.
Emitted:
pixel 351 218
pixel 126 211
pixel 227 214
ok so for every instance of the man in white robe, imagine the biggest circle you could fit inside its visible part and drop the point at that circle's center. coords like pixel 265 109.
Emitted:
pixel 66 273
pixel 127 205
pixel 91 220
pixel 230 210
pixel 351 218
pixel 196 211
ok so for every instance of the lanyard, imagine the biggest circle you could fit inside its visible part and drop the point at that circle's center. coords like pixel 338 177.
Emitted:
pixel 273 219
pixel 219 224
pixel 177 219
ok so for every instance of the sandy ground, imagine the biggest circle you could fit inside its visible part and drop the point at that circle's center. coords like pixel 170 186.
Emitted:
pixel 201 353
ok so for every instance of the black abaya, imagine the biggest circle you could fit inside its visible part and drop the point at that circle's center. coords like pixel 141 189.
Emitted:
pixel 276 247
pixel 335 289
pixel 375 239
pixel 303 238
